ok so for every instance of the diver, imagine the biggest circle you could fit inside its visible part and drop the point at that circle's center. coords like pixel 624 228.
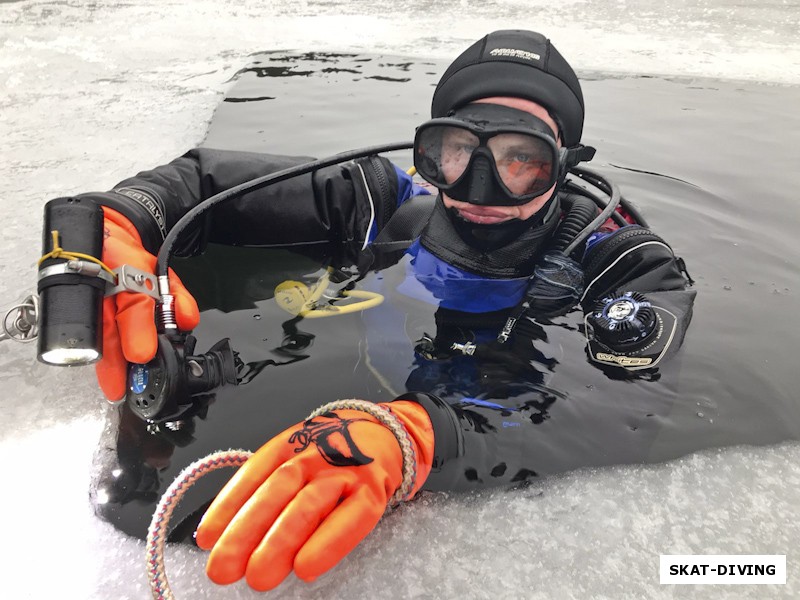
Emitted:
pixel 499 243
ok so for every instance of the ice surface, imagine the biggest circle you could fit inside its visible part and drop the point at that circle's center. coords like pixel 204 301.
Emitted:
pixel 92 92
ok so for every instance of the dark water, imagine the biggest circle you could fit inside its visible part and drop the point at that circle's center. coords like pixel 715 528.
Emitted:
pixel 713 166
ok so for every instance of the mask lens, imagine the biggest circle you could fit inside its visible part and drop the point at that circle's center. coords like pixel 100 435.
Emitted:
pixel 442 153
pixel 524 162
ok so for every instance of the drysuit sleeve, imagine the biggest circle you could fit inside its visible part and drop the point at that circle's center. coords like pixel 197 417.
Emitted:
pixel 634 259
pixel 477 447
pixel 481 444
pixel 342 203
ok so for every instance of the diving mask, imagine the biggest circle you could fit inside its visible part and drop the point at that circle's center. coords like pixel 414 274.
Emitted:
pixel 488 154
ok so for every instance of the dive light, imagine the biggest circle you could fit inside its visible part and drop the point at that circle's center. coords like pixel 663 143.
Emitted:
pixel 70 287
pixel 72 284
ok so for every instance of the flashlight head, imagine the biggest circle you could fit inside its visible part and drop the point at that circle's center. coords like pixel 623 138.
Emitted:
pixel 66 357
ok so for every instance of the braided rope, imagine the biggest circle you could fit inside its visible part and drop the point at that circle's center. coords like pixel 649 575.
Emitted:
pixel 398 429
pixel 157 532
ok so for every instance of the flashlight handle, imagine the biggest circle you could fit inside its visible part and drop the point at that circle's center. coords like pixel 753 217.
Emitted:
pixel 71 303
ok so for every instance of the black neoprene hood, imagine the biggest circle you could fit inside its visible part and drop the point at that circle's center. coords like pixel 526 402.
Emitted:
pixel 519 64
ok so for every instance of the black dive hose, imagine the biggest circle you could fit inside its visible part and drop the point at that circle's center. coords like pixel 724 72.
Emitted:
pixel 605 185
pixel 574 188
pixel 165 252
pixel 593 178
pixel 579 213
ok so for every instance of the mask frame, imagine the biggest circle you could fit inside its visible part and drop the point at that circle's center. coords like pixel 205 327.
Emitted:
pixel 481 182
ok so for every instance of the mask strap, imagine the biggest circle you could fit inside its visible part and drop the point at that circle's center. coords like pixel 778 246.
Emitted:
pixel 579 154
pixel 569 157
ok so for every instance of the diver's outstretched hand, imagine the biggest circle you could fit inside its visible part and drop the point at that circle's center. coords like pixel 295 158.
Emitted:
pixel 129 328
pixel 312 493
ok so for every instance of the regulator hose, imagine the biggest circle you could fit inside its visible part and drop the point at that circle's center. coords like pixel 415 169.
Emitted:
pixel 574 188
pixel 580 212
pixel 165 252
pixel 605 185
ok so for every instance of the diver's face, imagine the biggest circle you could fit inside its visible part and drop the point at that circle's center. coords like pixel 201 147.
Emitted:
pixel 456 152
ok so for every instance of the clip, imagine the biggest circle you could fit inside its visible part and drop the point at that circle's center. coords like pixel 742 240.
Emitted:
pixel 131 279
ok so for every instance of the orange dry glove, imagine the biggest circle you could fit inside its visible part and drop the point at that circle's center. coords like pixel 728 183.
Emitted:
pixel 311 494
pixel 129 329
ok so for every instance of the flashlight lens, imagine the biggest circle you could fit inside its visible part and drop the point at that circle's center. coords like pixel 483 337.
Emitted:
pixel 70 356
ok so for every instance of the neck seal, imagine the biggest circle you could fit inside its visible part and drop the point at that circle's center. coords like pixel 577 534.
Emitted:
pixel 506 251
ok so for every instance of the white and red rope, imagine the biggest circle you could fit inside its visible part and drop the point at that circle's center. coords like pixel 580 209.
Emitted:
pixel 157 532
pixel 389 420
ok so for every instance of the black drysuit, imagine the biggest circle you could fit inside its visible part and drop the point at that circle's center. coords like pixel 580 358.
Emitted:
pixel 344 208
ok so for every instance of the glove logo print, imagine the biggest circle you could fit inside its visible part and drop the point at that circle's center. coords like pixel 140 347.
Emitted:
pixel 330 434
